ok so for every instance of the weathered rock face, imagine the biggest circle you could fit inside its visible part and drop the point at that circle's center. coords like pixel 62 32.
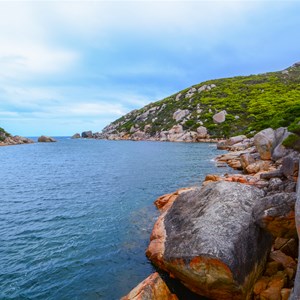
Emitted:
pixel 152 288
pixel 280 151
pixel 236 139
pixel 180 114
pixel 176 129
pixel 276 214
pixel 205 239
pixel 76 136
pixel 290 166
pixel 296 291
pixel 87 134
pixel 264 142
pixel 46 139
pixel 220 117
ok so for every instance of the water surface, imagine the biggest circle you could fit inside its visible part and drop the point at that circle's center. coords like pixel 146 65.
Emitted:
pixel 76 215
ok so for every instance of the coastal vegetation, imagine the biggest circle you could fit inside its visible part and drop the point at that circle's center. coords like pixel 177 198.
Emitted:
pixel 249 103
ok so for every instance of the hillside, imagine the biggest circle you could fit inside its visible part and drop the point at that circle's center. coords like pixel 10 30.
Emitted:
pixel 216 109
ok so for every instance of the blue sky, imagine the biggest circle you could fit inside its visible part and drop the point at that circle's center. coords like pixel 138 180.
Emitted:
pixel 69 66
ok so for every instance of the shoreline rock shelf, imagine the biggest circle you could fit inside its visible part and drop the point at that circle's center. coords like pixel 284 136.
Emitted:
pixel 236 236
pixel 7 139
pixel 208 233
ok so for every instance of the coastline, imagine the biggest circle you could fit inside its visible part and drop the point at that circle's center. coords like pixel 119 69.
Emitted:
pixel 263 170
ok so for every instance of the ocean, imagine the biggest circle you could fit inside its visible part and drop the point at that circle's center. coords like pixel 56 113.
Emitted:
pixel 76 215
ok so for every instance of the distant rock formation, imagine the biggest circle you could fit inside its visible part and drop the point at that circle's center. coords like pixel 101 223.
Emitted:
pixel 46 139
pixel 7 139
pixel 76 136
pixel 87 134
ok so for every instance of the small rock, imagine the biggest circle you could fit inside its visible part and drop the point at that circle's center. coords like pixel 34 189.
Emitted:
pixel 285 260
pixel 236 139
pixel 290 166
pixel 178 97
pixel 285 294
pixel 202 132
pixel 152 288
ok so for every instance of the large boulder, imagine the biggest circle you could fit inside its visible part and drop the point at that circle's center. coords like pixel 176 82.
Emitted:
pixel 220 117
pixel 264 142
pixel 180 114
pixel 46 139
pixel 210 242
pixel 152 288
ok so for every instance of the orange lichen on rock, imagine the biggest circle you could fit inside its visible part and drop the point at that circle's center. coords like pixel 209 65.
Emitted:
pixel 152 288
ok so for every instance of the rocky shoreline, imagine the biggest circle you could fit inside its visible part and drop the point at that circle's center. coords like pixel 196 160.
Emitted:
pixel 235 237
pixel 15 140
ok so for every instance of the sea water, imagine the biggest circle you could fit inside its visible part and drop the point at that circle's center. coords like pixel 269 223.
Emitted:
pixel 76 215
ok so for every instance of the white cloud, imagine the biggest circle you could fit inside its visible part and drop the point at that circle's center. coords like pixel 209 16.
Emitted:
pixel 27 48
pixel 93 109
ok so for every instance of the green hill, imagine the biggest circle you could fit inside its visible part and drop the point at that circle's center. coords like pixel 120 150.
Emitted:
pixel 3 134
pixel 250 103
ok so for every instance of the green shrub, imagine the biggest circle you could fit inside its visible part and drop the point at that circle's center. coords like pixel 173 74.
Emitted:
pixel 292 141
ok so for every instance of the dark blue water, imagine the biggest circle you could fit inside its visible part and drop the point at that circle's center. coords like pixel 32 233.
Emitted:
pixel 76 215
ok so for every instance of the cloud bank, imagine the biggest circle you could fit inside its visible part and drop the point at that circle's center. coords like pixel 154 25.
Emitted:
pixel 68 66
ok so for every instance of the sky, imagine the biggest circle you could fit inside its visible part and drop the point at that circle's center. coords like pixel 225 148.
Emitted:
pixel 71 66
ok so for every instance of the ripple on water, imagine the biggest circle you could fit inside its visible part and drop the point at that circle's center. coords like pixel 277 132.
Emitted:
pixel 76 216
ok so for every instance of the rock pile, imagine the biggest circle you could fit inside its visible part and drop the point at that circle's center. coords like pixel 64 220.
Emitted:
pixel 235 237
pixel 15 140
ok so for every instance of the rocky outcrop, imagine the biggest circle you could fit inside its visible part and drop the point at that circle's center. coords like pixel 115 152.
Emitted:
pixel 87 134
pixel 15 140
pixel 152 288
pixel 205 237
pixel 7 139
pixel 46 139
pixel 76 136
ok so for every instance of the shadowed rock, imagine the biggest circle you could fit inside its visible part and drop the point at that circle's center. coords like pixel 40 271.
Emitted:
pixel 276 214
pixel 209 240
pixel 87 134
